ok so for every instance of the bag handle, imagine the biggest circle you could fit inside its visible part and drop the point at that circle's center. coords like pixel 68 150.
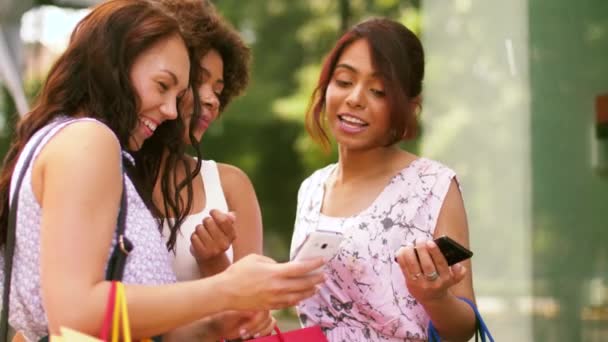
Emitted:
pixel 107 321
pixel 9 246
pixel 279 334
pixel 121 315
pixel 481 330
pixel 123 246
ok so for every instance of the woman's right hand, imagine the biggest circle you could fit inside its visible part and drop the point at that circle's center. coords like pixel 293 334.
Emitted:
pixel 259 283
pixel 212 238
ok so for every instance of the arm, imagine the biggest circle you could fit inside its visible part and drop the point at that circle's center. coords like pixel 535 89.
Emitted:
pixel 242 200
pixel 247 227
pixel 76 235
pixel 453 318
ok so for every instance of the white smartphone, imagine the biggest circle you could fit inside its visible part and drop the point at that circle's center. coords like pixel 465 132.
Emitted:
pixel 319 244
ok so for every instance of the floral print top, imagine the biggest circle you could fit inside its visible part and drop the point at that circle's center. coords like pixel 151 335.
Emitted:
pixel 365 297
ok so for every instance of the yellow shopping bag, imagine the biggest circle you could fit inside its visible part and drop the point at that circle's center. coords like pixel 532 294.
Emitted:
pixel 116 321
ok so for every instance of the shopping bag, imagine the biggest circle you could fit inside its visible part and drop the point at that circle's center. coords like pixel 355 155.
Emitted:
pixel 481 329
pixel 309 334
pixel 69 335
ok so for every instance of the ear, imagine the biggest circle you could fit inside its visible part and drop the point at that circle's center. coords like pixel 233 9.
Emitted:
pixel 416 104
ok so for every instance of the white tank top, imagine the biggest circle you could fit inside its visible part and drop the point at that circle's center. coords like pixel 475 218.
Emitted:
pixel 184 264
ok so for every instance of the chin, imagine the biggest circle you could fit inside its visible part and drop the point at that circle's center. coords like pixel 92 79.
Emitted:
pixel 357 143
pixel 352 144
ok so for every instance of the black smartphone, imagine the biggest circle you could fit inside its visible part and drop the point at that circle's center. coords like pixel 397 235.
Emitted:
pixel 452 250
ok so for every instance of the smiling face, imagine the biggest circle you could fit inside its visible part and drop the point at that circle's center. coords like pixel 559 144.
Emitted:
pixel 356 106
pixel 159 77
pixel 209 93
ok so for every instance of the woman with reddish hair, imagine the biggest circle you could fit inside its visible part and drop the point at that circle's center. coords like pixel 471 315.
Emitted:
pixel 386 202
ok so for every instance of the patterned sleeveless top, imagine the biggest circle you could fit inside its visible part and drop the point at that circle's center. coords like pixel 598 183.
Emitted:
pixel 365 297
pixel 148 263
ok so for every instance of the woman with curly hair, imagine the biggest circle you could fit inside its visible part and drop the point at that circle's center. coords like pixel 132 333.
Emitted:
pixel 217 220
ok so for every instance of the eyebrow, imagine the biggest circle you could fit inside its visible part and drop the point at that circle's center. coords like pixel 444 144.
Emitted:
pixel 173 77
pixel 208 74
pixel 353 69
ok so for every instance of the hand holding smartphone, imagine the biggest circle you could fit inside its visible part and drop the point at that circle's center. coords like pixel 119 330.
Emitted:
pixel 451 250
pixel 319 244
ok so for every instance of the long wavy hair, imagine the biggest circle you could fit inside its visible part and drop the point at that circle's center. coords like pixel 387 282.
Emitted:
pixel 92 78
pixel 203 29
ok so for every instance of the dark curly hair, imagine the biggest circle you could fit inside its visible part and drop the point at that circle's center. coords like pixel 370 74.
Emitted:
pixel 204 29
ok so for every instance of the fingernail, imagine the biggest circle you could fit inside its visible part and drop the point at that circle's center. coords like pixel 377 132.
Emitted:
pixel 243 333
pixel 456 267
pixel 256 335
pixel 430 244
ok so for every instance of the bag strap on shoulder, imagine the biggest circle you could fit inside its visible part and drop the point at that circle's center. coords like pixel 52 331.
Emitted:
pixel 116 264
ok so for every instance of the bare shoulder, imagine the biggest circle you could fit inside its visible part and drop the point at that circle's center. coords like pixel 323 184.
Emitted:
pixel 453 201
pixel 82 158
pixel 86 139
pixel 232 177
pixel 452 219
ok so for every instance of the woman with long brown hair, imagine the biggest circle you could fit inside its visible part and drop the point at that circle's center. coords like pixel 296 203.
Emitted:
pixel 388 279
pixel 122 76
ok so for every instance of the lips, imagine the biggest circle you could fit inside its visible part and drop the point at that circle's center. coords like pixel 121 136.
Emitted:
pixel 203 122
pixel 148 125
pixel 351 124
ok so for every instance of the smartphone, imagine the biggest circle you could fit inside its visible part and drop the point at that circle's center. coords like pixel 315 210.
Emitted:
pixel 452 250
pixel 319 244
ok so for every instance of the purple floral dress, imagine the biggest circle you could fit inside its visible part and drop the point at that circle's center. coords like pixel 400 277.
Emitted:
pixel 365 297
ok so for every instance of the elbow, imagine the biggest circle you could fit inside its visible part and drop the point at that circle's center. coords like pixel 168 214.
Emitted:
pixel 75 318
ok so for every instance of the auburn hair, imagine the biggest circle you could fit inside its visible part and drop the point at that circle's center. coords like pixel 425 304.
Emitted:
pixel 397 55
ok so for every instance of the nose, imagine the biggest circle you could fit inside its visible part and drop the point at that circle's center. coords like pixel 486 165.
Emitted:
pixel 169 108
pixel 355 98
pixel 210 101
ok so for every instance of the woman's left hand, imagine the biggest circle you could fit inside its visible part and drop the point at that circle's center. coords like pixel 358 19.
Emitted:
pixel 243 325
pixel 428 276
pixel 259 324
pixel 212 238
